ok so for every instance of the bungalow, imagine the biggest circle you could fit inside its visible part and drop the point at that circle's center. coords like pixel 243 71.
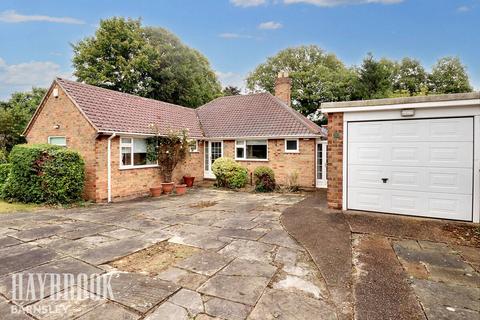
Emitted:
pixel 111 129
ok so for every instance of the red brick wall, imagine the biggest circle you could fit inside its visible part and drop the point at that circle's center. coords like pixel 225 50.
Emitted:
pixel 80 135
pixel 283 163
pixel 335 160
pixel 130 183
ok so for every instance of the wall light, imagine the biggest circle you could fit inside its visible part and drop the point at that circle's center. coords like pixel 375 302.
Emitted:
pixel 57 126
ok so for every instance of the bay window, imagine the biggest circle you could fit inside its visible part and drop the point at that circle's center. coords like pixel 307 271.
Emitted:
pixel 137 152
pixel 251 150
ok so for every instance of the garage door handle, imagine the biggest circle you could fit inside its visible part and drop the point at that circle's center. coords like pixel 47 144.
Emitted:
pixel 384 180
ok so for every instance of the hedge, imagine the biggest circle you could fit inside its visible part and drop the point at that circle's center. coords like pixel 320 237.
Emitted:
pixel 4 173
pixel 42 173
pixel 264 179
pixel 229 173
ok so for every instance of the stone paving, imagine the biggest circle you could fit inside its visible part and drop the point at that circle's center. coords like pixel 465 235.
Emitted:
pixel 247 267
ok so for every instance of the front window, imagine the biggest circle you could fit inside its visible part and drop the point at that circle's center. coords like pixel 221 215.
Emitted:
pixel 193 145
pixel 134 152
pixel 291 145
pixel 58 141
pixel 251 150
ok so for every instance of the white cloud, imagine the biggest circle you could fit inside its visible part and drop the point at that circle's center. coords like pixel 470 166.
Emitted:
pixel 464 9
pixel 231 79
pixel 11 16
pixel 229 35
pixel 24 76
pixel 270 25
pixel 248 3
pixel 333 3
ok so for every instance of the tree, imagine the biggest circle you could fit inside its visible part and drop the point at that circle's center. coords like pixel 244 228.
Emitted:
pixel 317 77
pixel 449 75
pixel 375 78
pixel 231 91
pixel 410 77
pixel 15 115
pixel 149 62
pixel 181 75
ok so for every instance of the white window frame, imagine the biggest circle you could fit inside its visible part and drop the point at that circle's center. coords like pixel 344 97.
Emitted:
pixel 60 145
pixel 196 146
pixel 292 151
pixel 243 144
pixel 130 145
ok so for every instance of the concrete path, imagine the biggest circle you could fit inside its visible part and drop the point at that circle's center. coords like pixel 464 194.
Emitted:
pixel 403 268
pixel 244 264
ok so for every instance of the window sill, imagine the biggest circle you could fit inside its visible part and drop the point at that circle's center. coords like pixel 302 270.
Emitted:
pixel 195 151
pixel 139 167
pixel 292 151
pixel 252 160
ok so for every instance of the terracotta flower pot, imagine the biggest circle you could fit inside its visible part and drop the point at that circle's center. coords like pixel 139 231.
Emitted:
pixel 181 189
pixel 167 187
pixel 188 180
pixel 156 191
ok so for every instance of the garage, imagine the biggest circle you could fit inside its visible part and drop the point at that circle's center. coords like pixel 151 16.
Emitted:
pixel 414 156
pixel 413 167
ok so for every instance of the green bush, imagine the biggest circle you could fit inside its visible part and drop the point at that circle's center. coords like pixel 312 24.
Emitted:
pixel 264 179
pixel 44 173
pixel 4 172
pixel 229 173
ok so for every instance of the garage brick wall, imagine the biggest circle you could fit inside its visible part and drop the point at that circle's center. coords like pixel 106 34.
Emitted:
pixel 335 160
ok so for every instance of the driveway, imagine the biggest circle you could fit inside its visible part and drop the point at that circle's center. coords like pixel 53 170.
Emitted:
pixel 379 266
pixel 209 254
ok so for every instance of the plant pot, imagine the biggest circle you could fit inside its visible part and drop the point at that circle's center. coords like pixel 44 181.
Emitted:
pixel 167 187
pixel 181 189
pixel 156 191
pixel 188 180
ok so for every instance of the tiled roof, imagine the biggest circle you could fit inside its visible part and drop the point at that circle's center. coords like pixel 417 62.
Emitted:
pixel 254 115
pixel 110 110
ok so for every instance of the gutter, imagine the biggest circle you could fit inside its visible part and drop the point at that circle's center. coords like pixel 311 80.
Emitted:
pixel 109 167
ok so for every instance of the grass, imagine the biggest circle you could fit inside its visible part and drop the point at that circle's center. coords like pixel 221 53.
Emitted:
pixel 6 207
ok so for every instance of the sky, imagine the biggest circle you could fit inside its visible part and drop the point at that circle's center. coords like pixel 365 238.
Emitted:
pixel 237 35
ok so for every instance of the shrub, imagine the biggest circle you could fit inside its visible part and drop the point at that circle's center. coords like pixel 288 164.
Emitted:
pixel 229 173
pixel 292 182
pixel 264 179
pixel 3 156
pixel 4 172
pixel 44 173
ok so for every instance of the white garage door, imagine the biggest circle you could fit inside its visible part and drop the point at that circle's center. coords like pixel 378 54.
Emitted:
pixel 413 167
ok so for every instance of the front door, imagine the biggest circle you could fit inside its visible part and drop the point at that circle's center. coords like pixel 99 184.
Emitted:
pixel 321 164
pixel 213 151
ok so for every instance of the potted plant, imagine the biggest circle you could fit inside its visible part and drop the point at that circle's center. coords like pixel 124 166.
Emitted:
pixel 171 150
pixel 188 180
pixel 156 191
pixel 180 189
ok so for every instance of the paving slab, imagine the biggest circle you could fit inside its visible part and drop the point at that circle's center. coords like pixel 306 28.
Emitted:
pixel 252 268
pixel 109 311
pixel 113 250
pixel 428 256
pixel 446 301
pixel 168 311
pixel 87 231
pixel 206 263
pixel 286 257
pixel 280 238
pixel 278 304
pixel 250 250
pixel 62 267
pixel 10 312
pixel 25 260
pixel 37 233
pixel 241 233
pixel 225 309
pixel 245 290
pixel 8 241
pixel 186 279
pixel 139 292
pixel 121 233
pixel 59 309
pixel 294 283
pixel 188 299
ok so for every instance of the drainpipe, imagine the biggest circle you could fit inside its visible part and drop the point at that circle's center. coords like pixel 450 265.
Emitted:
pixel 109 167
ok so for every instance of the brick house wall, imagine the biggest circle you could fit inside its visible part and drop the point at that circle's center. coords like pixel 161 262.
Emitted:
pixel 131 183
pixel 335 160
pixel 283 164
pixel 80 135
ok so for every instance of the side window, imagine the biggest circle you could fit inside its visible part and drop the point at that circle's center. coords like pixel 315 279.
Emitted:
pixel 58 141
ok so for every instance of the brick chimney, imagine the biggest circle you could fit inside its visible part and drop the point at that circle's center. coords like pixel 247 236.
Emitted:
pixel 283 87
